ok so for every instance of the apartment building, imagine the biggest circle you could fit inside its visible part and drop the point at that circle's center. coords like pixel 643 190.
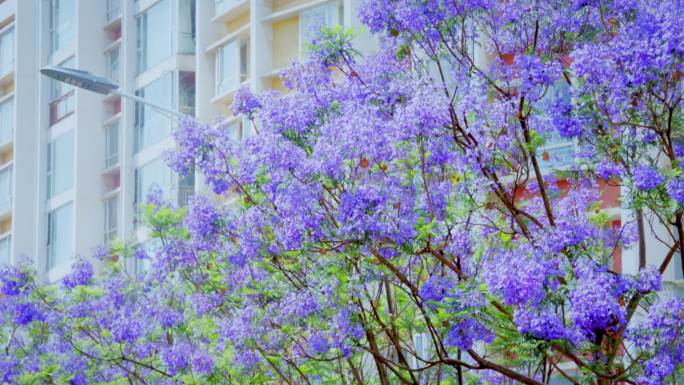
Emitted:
pixel 74 165
pixel 249 42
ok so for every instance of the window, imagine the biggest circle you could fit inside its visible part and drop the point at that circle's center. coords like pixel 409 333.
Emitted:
pixel 7 51
pixel 113 9
pixel 5 249
pixel 150 126
pixel 186 92
pixel 113 64
pixel 61 97
pixel 186 27
pixel 5 189
pixel 110 218
pixel 112 144
pixel 62 13
pixel 60 235
pixel 6 120
pixel 154 42
pixel 186 188
pixel 232 66
pixel 557 152
pixel 154 174
pixel 313 19
pixel 60 164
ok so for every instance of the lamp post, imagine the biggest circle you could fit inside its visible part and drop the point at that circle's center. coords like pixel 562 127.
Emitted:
pixel 101 85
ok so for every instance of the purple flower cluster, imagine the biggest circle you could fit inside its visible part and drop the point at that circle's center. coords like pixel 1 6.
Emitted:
pixel 81 273
pixel 646 177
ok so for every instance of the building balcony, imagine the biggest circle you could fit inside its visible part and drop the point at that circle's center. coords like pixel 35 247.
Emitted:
pixel 5 190
pixel 62 107
pixel 229 10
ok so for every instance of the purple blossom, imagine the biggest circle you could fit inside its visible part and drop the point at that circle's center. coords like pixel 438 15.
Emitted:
pixel 81 274
pixel 245 102
pixel 675 187
pixel 646 177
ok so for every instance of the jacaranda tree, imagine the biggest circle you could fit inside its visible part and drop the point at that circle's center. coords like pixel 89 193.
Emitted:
pixel 393 221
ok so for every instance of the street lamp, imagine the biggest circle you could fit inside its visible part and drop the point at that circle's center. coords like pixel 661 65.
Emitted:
pixel 98 84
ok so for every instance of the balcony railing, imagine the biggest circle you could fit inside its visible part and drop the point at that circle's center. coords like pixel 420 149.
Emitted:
pixel 221 6
pixel 61 107
pixel 184 194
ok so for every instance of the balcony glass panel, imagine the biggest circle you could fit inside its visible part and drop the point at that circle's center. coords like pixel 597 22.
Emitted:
pixel 7 52
pixel 60 164
pixel 6 121
pixel 113 64
pixel 186 27
pixel 5 190
pixel 113 9
pixel 112 145
pixel 150 126
pixel 313 19
pixel 231 66
pixel 154 42
pixel 5 250
pixel 62 14
pixel 60 235
pixel 110 214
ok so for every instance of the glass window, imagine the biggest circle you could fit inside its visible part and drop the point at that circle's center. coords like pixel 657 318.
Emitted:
pixel 113 9
pixel 6 120
pixel 154 42
pixel 5 249
pixel 112 144
pixel 110 218
pixel 60 164
pixel 113 64
pixel 186 27
pixel 186 188
pixel 154 174
pixel 62 13
pixel 232 66
pixel 7 51
pixel 61 96
pixel 60 235
pixel 557 151
pixel 150 126
pixel 313 19
pixel 186 92
pixel 5 189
